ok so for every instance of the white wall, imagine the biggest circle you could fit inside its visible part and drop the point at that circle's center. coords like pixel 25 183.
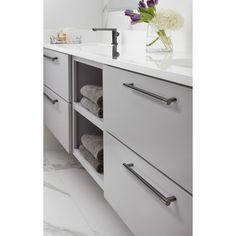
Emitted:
pixel 83 14
pixel 182 39
pixel 115 5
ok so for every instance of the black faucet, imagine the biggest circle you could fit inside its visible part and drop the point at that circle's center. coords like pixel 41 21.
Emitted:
pixel 115 34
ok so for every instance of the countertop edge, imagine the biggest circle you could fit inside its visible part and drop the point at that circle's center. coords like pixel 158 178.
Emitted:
pixel 136 68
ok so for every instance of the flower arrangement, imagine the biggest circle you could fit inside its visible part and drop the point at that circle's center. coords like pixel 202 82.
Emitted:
pixel 159 20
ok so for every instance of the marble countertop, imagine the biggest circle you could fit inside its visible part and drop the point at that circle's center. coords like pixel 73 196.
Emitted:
pixel 174 67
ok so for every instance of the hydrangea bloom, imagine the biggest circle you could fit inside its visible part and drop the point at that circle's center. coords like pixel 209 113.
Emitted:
pixel 167 20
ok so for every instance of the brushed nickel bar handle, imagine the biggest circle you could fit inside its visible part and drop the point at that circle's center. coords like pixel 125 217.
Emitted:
pixel 51 58
pixel 166 200
pixel 167 101
pixel 53 101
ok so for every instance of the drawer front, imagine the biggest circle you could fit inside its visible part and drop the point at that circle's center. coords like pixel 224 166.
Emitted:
pixel 57 117
pixel 56 73
pixel 160 133
pixel 138 206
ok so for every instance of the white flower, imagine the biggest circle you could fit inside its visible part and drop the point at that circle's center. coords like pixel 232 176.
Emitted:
pixel 167 20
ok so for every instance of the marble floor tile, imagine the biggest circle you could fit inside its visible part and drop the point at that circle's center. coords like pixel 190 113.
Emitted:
pixel 89 198
pixel 57 160
pixel 52 230
pixel 60 211
pixel 74 204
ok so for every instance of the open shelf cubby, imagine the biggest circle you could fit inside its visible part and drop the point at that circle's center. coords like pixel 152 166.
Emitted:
pixel 82 126
pixel 85 73
pixel 96 176
pixel 88 115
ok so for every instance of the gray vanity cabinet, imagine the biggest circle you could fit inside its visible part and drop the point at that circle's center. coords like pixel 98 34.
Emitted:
pixel 57 96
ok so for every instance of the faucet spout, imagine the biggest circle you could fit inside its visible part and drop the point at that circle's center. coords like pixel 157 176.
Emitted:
pixel 115 34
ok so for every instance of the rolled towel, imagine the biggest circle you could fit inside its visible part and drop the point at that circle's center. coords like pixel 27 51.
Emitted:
pixel 94 144
pixel 93 93
pixel 96 164
pixel 92 107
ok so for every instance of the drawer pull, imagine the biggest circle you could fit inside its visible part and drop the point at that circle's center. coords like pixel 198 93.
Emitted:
pixel 51 58
pixel 167 101
pixel 53 101
pixel 166 200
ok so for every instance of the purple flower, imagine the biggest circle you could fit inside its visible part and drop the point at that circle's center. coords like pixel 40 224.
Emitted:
pixel 129 13
pixel 135 18
pixel 141 4
pixel 152 3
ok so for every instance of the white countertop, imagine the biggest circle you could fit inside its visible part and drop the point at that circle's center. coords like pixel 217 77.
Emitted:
pixel 175 67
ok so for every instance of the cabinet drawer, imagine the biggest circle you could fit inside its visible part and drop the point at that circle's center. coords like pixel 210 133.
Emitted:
pixel 56 73
pixel 160 133
pixel 139 207
pixel 57 114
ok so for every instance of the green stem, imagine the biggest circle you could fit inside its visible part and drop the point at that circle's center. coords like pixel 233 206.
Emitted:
pixel 150 44
pixel 165 40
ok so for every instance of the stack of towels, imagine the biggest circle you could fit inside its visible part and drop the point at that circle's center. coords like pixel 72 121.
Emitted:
pixel 91 149
pixel 92 99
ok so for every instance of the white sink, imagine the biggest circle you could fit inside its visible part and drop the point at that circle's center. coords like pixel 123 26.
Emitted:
pixel 101 49
pixel 97 48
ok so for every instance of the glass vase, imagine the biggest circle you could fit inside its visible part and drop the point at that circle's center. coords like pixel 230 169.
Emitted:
pixel 158 41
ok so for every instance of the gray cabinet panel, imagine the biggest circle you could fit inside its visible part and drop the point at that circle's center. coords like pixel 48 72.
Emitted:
pixel 57 73
pixel 160 133
pixel 57 117
pixel 137 205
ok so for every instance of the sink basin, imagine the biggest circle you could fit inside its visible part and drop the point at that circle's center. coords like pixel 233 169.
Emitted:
pixel 101 49
pixel 97 48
